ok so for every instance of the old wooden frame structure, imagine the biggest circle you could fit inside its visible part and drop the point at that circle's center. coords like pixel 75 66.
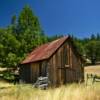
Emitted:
pixel 59 60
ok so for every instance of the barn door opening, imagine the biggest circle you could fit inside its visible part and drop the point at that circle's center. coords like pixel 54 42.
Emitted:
pixel 25 73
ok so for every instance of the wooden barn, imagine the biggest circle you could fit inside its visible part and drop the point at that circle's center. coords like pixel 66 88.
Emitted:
pixel 59 60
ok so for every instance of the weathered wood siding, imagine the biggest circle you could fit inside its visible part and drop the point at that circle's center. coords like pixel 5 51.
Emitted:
pixel 34 72
pixel 38 69
pixel 30 72
pixel 76 65
pixel 58 72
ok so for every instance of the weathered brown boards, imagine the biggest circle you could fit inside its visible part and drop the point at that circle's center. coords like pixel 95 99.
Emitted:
pixel 59 60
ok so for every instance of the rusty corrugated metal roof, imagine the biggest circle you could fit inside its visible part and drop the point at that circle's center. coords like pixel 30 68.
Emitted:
pixel 44 51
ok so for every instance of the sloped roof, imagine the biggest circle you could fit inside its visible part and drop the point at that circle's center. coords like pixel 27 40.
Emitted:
pixel 44 51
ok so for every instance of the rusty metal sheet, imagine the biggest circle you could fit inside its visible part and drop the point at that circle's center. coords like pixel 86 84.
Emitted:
pixel 44 51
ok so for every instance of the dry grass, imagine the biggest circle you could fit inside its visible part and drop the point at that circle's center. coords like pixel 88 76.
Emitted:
pixel 69 92
pixel 93 69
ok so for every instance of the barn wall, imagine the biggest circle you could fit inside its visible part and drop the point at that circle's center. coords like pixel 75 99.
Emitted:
pixel 38 69
pixel 75 64
pixel 59 73
pixel 57 64
pixel 34 72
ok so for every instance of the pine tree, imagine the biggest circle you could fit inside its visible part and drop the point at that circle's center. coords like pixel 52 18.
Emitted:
pixel 27 20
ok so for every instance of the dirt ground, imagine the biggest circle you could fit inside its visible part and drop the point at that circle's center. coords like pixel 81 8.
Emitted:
pixel 92 69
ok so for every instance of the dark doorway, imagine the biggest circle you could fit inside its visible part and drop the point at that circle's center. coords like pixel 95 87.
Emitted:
pixel 25 73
